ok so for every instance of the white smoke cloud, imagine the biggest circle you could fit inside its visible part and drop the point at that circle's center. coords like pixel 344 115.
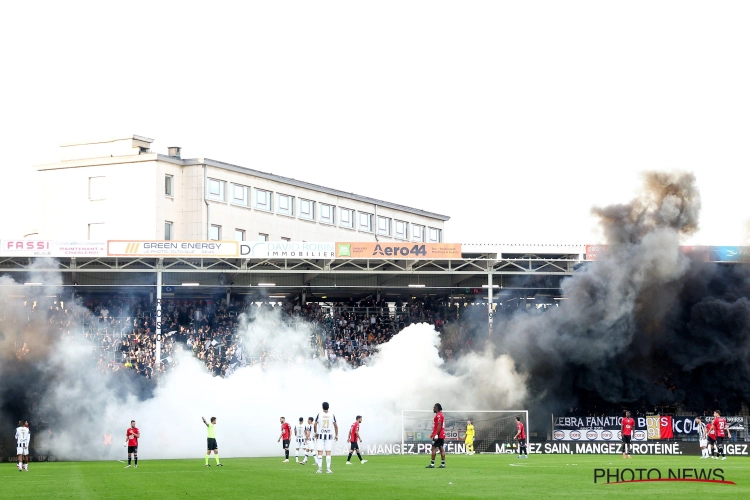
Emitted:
pixel 406 374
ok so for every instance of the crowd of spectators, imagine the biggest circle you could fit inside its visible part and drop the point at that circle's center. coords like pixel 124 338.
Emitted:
pixel 121 328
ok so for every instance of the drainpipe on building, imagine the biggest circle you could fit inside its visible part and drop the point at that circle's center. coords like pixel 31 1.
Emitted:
pixel 375 225
pixel 208 208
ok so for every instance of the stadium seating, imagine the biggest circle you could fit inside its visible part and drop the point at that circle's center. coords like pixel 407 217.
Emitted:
pixel 121 329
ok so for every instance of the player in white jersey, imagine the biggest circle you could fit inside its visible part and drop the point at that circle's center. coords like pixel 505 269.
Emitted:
pixel 309 441
pixel 23 438
pixel 299 437
pixel 700 427
pixel 325 425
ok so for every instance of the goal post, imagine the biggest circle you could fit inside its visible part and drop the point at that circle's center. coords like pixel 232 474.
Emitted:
pixel 493 430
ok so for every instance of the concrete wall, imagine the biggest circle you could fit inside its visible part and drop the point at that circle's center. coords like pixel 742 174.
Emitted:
pixel 127 210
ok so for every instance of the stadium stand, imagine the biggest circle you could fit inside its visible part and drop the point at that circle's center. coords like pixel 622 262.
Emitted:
pixel 121 329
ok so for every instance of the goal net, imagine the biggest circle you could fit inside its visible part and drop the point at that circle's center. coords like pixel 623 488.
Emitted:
pixel 493 430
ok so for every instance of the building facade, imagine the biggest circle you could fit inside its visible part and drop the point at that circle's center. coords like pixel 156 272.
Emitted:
pixel 118 188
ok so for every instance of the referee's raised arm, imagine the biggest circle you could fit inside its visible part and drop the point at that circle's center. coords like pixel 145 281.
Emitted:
pixel 204 421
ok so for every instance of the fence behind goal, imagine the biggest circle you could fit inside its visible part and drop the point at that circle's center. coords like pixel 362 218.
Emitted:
pixel 493 430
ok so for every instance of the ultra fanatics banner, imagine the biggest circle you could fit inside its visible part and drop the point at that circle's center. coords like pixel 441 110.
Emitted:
pixel 653 427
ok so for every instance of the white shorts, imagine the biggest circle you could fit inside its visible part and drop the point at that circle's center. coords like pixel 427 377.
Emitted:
pixel 310 444
pixel 300 443
pixel 22 450
pixel 325 444
pixel 703 443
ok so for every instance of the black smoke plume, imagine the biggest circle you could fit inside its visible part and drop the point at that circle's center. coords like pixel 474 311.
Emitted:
pixel 645 326
pixel 45 368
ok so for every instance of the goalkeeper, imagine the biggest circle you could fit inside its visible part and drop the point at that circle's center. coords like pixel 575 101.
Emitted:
pixel 469 438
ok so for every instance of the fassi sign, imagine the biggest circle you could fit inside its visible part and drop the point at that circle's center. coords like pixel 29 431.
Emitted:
pixel 398 250
pixel 27 247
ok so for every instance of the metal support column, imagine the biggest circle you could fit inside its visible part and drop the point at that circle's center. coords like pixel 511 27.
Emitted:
pixel 158 322
pixel 489 304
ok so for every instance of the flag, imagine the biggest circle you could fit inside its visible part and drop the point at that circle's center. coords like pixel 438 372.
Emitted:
pixel 665 428
pixel 653 430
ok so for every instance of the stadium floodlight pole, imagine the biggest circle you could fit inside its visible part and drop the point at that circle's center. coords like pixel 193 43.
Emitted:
pixel 158 322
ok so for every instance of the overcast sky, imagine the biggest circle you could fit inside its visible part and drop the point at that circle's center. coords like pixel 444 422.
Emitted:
pixel 514 118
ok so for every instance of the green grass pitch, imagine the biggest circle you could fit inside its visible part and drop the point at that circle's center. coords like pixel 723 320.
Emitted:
pixel 383 477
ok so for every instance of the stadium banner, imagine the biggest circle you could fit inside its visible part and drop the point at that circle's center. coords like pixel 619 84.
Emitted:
pixel 32 458
pixel 451 448
pixel 559 448
pixel 594 252
pixel 156 248
pixel 697 253
pixel 606 435
pixel 373 250
pixel 653 427
pixel 638 448
pixel 50 248
pixel 288 250
pixel 729 254
pixel 733 423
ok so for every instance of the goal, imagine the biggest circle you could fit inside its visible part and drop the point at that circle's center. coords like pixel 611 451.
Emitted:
pixel 493 430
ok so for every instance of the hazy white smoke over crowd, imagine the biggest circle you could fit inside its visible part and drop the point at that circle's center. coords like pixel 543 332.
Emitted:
pixel 406 374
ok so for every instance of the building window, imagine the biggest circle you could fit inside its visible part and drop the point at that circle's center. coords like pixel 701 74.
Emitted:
pixel 285 204
pixel 240 195
pixel 263 199
pixel 306 209
pixel 347 218
pixel 402 231
pixel 214 233
pixel 96 232
pixel 434 235
pixel 169 185
pixel 384 226
pixel 285 239
pixel 239 235
pixel 216 189
pixel 365 222
pixel 417 232
pixel 327 214
pixel 168 235
pixel 97 188
pixel 262 237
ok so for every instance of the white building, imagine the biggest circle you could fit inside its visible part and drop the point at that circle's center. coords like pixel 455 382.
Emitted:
pixel 117 188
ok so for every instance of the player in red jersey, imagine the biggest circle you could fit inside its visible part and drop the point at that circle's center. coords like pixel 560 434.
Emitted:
pixel 132 435
pixel 722 431
pixel 438 436
pixel 626 429
pixel 354 440
pixel 521 437
pixel 286 434
pixel 711 433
